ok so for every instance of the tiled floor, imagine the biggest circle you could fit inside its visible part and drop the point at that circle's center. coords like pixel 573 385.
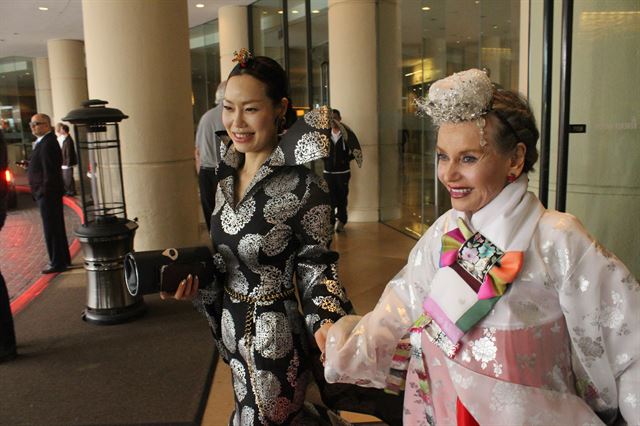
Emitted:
pixel 370 255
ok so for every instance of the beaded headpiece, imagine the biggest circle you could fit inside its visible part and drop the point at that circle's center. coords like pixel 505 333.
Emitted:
pixel 463 96
pixel 242 57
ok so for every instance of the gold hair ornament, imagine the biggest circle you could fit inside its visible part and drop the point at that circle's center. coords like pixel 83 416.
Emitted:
pixel 242 57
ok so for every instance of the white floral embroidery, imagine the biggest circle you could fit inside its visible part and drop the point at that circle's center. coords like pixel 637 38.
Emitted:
pixel 281 208
pixel 219 200
pixel 273 337
pixel 610 316
pixel 228 331
pixel 281 184
pixel 239 379
pixel 583 283
pixel 276 239
pixel 233 223
pixel 507 397
pixel 317 223
pixel 277 157
pixel 464 382
pixel 311 146
pixel 247 416
pixel 267 389
pixel 631 399
pixel 622 359
pixel 249 249
pixel 318 118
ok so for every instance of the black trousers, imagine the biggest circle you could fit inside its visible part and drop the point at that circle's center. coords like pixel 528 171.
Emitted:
pixel 55 234
pixel 208 183
pixel 7 332
pixel 69 183
pixel 339 193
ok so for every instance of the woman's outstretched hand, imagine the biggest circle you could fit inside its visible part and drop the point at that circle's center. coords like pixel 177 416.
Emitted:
pixel 321 338
pixel 187 289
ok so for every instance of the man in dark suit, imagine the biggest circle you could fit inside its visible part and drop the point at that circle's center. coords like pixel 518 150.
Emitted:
pixel 69 158
pixel 47 188
pixel 7 332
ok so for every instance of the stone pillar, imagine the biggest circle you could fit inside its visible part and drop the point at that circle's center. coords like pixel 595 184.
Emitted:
pixel 138 60
pixel 390 48
pixel 42 78
pixel 68 76
pixel 353 79
pixel 234 35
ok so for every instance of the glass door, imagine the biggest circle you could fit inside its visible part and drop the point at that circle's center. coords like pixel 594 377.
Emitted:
pixel 602 175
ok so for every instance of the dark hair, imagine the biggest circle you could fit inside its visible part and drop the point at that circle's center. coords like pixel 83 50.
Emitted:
pixel 514 122
pixel 271 74
pixel 337 112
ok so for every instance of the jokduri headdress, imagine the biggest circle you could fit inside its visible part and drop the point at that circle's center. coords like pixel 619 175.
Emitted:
pixel 463 96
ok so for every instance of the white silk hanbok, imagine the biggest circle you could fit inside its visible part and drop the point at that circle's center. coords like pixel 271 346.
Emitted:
pixel 561 346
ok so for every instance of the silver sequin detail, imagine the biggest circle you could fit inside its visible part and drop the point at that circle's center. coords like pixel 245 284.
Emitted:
pixel 463 96
pixel 268 389
pixel 219 200
pixel 273 338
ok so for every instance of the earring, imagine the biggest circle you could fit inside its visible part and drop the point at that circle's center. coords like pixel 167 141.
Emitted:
pixel 511 178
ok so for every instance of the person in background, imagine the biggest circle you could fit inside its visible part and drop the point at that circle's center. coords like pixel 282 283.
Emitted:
pixel 69 158
pixel 207 153
pixel 270 227
pixel 44 171
pixel 337 170
pixel 506 313
pixel 7 332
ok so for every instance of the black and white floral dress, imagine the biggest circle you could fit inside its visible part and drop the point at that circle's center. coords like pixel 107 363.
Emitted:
pixel 279 229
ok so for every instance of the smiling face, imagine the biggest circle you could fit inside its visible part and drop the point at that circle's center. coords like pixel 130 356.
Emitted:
pixel 473 175
pixel 250 116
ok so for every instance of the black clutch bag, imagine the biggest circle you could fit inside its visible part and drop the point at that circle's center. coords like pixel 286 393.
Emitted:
pixel 149 272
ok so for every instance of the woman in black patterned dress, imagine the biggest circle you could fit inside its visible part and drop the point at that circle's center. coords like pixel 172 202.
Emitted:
pixel 271 221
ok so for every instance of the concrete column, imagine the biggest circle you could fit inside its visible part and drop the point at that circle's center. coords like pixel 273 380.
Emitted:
pixel 68 76
pixel 390 48
pixel 138 59
pixel 42 78
pixel 234 34
pixel 354 91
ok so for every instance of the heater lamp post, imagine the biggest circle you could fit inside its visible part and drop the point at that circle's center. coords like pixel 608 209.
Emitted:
pixel 106 233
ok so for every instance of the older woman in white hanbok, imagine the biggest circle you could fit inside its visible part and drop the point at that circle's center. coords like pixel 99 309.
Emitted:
pixel 506 313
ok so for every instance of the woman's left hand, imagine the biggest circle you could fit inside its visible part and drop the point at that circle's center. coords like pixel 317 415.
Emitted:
pixel 187 289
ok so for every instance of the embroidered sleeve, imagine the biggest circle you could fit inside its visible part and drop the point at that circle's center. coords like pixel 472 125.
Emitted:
pixel 601 302
pixel 323 298
pixel 360 349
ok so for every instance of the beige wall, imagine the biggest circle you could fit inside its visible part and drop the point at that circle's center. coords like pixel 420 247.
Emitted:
pixel 138 60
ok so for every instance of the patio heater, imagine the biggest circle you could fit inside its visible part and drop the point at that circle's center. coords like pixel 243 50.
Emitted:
pixel 106 234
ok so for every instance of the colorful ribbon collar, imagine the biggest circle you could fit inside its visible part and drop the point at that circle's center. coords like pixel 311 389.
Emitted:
pixel 474 273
